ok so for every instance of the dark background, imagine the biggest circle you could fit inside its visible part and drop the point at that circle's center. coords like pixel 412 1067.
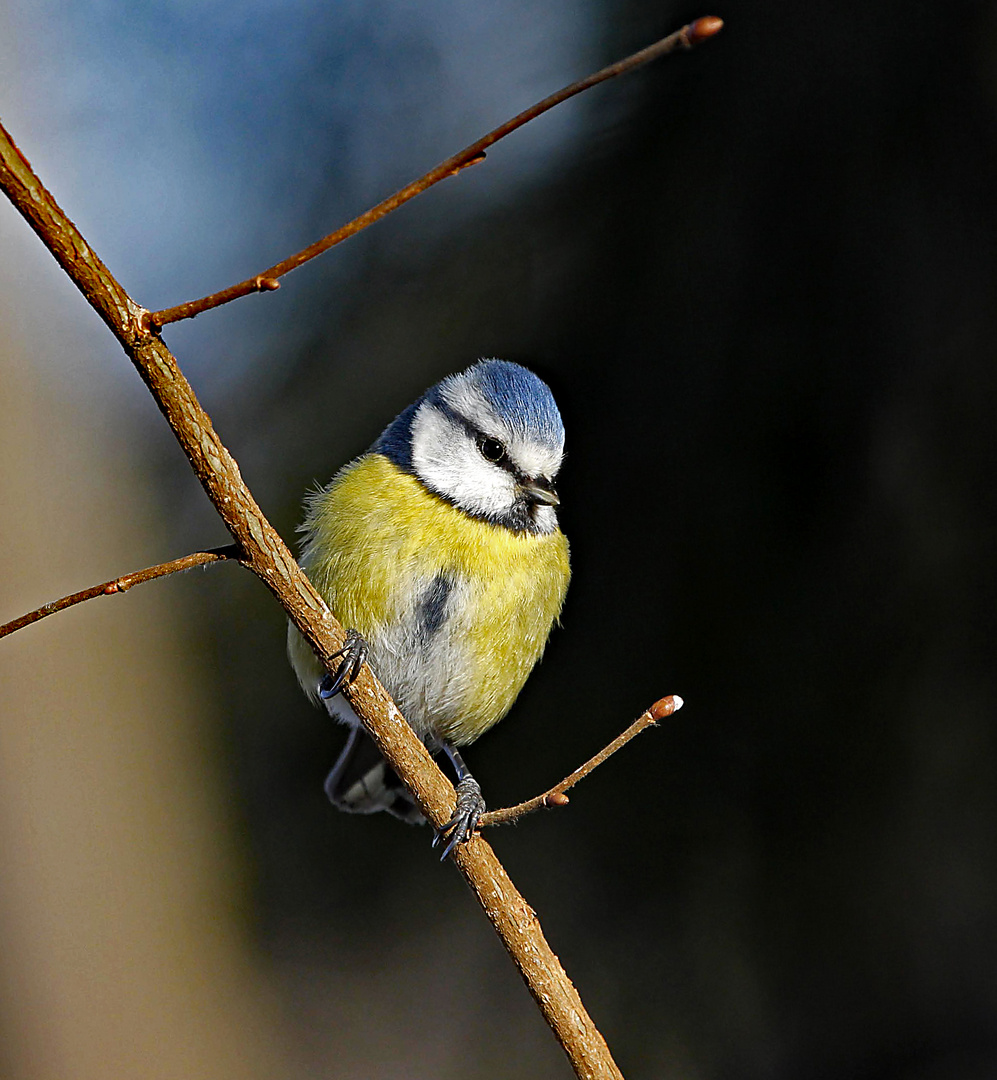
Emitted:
pixel 761 283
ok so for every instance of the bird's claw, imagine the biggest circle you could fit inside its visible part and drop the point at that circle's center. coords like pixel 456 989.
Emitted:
pixel 354 653
pixel 461 827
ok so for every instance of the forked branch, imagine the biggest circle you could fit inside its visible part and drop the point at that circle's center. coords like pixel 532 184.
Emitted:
pixel 268 557
pixel 263 552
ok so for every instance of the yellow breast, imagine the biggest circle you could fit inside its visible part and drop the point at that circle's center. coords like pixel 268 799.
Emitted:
pixel 376 541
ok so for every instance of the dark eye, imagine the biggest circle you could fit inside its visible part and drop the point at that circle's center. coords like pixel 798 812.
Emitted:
pixel 491 449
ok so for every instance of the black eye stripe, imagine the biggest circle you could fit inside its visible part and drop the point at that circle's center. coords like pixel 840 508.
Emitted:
pixel 503 460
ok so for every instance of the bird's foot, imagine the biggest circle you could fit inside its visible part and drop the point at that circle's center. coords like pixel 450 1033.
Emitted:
pixel 354 653
pixel 461 827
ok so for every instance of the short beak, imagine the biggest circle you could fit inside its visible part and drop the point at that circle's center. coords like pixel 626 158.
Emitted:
pixel 540 490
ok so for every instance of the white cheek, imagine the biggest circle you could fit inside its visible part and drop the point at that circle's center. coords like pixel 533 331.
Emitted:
pixel 446 459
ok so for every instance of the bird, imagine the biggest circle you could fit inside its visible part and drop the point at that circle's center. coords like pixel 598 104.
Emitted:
pixel 440 549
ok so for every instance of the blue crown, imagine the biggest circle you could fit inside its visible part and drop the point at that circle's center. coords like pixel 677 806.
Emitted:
pixel 519 397
pixel 523 400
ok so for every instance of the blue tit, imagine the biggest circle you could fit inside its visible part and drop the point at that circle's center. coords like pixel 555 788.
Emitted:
pixel 440 549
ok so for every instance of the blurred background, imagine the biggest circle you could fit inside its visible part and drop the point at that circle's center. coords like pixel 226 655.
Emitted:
pixel 760 279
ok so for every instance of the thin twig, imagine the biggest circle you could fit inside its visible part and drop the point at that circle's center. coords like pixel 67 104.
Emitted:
pixel 556 795
pixel 686 38
pixel 123 584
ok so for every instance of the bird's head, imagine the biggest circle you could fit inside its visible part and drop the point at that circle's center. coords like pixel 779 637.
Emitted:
pixel 490 440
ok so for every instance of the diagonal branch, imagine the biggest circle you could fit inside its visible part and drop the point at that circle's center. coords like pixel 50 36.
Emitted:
pixel 686 38
pixel 266 555
pixel 263 551
pixel 123 584
pixel 555 796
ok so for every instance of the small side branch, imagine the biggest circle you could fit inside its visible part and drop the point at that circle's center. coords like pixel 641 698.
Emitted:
pixel 123 584
pixel 696 32
pixel 556 795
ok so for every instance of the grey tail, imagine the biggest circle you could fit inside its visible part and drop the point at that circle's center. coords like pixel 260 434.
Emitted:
pixel 362 782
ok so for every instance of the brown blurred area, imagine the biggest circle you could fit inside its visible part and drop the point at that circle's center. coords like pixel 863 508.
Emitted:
pixel 126 946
